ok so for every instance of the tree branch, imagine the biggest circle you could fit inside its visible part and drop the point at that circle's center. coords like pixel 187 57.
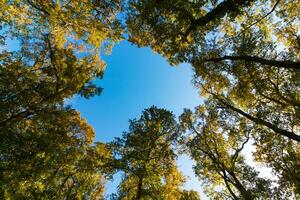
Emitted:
pixel 226 7
pixel 259 20
pixel 259 121
pixel 287 64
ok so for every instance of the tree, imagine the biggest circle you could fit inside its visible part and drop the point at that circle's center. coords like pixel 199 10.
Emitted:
pixel 46 148
pixel 216 141
pixel 50 155
pixel 270 105
pixel 44 144
pixel 146 157
pixel 46 69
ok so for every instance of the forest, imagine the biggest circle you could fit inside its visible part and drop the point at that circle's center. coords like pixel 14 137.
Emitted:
pixel 245 57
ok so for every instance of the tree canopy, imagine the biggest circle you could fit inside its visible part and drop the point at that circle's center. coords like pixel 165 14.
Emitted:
pixel 246 60
pixel 47 149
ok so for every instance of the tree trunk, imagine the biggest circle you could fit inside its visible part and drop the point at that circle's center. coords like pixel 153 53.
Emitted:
pixel 244 193
pixel 139 189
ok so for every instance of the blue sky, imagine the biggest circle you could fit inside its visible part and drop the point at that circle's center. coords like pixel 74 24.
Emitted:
pixel 135 79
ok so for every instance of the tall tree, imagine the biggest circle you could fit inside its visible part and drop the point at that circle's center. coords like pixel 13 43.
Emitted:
pixel 216 141
pixel 46 148
pixel 269 102
pixel 49 155
pixel 146 157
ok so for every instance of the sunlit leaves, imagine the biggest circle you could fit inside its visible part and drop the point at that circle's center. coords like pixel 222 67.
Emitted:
pixel 47 149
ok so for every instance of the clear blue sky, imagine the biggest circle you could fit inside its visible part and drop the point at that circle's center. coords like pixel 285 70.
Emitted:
pixel 135 79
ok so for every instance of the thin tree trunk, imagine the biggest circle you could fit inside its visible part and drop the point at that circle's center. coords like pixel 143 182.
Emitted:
pixel 139 189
